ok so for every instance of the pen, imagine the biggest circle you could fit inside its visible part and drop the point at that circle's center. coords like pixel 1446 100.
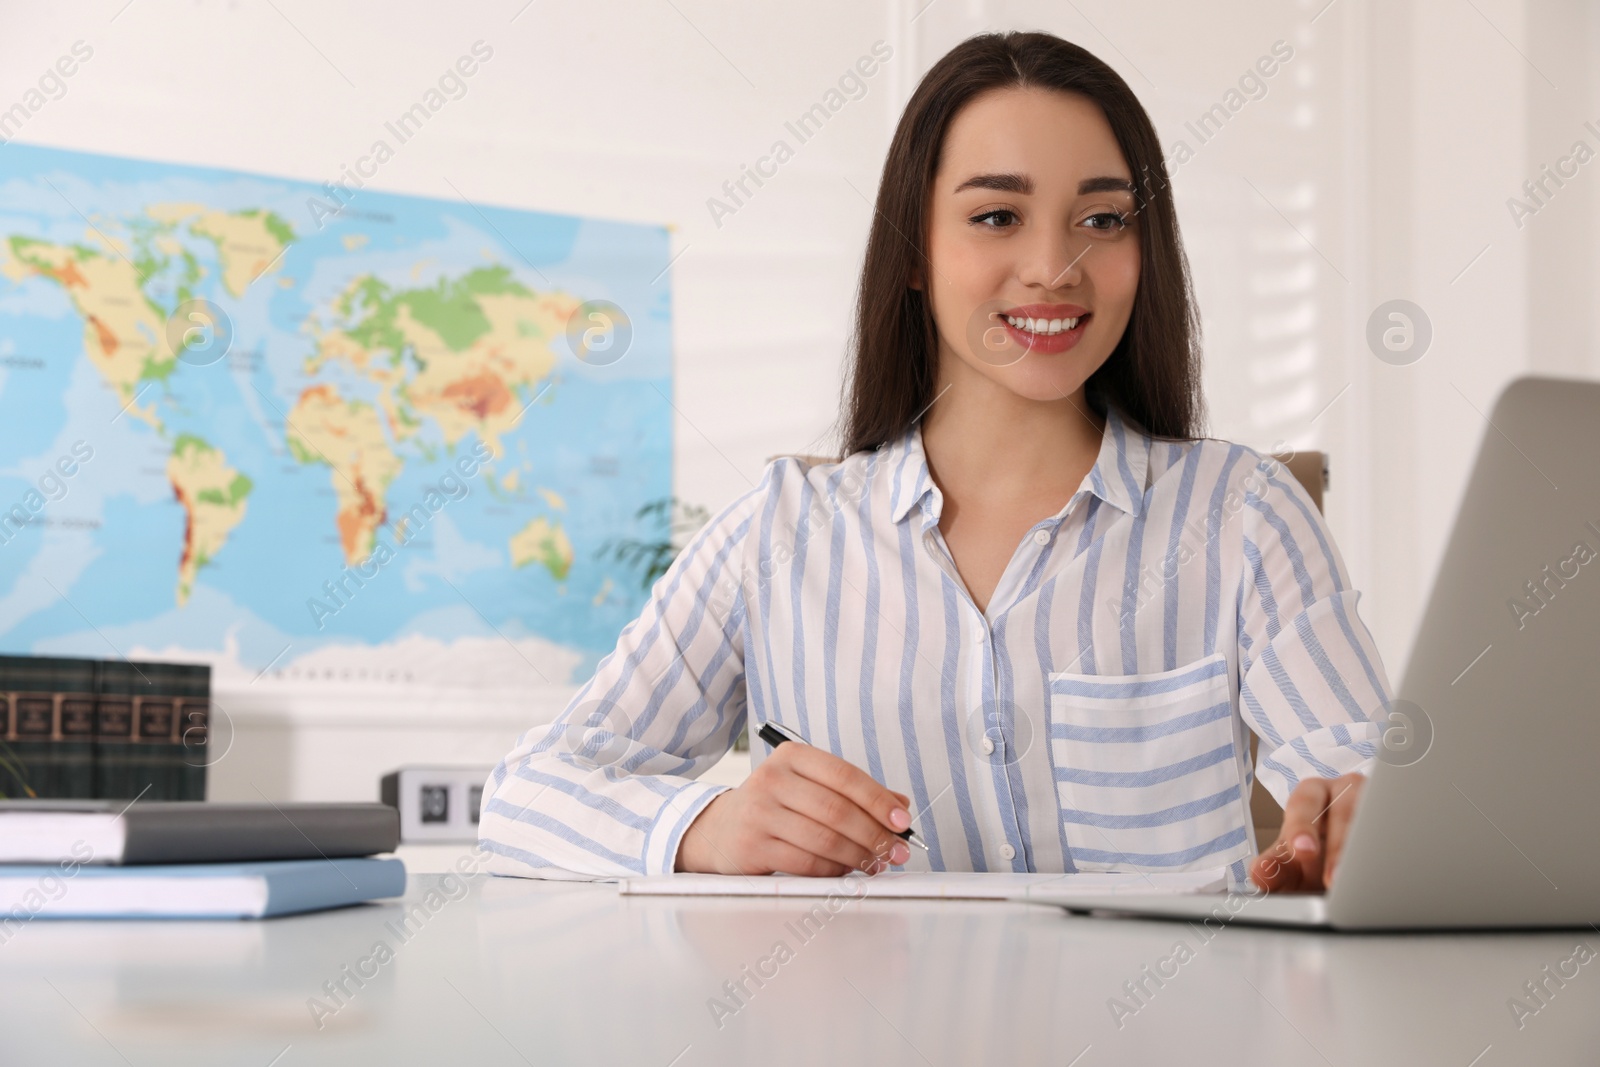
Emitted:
pixel 775 735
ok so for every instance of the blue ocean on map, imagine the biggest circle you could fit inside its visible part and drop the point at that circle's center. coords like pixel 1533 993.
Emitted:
pixel 266 422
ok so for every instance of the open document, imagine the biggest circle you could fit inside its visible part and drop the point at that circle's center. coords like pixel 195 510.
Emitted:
pixel 940 885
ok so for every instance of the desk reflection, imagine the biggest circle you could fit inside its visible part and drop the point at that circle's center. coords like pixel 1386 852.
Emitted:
pixel 511 970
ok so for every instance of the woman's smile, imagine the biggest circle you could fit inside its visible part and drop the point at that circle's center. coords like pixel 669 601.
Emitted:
pixel 1044 328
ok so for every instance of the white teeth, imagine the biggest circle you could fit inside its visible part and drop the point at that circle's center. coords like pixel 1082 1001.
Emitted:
pixel 1043 327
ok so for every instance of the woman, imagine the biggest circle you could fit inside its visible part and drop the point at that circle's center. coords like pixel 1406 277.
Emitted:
pixel 1031 596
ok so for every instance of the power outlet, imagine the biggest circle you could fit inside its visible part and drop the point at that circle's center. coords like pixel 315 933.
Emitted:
pixel 436 803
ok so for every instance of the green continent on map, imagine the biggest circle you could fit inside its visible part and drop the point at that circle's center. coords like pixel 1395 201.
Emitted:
pixel 249 243
pixel 542 541
pixel 393 370
pixel 213 498
pixel 461 353
pixel 347 435
pixel 123 329
pixel 258 408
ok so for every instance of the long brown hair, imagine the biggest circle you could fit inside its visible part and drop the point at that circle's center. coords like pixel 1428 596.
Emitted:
pixel 1153 375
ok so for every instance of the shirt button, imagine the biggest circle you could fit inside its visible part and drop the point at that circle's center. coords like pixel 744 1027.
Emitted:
pixel 1041 537
pixel 980 637
pixel 1008 852
pixel 987 745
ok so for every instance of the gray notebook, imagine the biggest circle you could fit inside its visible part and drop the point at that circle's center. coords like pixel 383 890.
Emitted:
pixel 190 831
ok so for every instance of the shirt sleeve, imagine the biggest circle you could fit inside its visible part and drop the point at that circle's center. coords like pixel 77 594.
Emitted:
pixel 1311 681
pixel 608 789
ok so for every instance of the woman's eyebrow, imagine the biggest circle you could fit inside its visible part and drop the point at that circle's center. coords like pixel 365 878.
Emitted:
pixel 1003 183
pixel 1105 184
pixel 1023 185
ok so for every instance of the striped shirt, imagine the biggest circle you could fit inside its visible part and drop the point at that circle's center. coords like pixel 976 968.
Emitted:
pixel 1092 718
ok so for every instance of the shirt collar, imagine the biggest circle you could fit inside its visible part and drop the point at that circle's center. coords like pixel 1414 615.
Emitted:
pixel 1117 477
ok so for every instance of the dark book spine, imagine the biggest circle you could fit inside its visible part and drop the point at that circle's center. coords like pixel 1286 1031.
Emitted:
pixel 36 727
pixel 156 751
pixel 33 711
pixel 114 730
pixel 13 772
pixel 75 710
pixel 193 729
pixel 51 721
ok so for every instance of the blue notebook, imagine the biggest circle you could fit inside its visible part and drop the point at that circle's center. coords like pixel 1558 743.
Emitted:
pixel 196 890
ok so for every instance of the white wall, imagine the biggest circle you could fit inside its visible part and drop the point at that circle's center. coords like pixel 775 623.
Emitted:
pixel 1376 166
pixel 630 110
pixel 1387 148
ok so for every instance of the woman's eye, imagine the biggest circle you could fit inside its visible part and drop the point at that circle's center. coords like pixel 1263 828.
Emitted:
pixel 997 219
pixel 1111 221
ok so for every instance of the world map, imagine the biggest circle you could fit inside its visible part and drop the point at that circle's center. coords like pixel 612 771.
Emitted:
pixel 306 431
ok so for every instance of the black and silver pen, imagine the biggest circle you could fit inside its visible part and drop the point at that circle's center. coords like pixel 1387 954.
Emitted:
pixel 775 735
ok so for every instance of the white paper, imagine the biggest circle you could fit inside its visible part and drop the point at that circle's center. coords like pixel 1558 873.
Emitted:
pixel 50 836
pixel 141 894
pixel 941 885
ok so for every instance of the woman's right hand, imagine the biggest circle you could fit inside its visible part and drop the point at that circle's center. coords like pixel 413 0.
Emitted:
pixel 802 811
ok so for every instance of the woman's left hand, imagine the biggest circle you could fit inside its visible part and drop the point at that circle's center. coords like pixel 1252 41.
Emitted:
pixel 1306 854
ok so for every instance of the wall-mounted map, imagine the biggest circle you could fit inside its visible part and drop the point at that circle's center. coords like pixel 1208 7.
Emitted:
pixel 309 432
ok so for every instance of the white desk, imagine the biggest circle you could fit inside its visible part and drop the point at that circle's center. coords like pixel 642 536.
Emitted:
pixel 518 972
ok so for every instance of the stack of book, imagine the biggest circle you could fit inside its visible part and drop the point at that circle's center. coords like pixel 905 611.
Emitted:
pixel 64 859
pixel 107 729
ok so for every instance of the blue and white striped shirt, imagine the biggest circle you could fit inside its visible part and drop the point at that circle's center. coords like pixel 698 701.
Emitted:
pixel 1092 718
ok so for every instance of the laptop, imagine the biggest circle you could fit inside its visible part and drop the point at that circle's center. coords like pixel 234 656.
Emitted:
pixel 1479 812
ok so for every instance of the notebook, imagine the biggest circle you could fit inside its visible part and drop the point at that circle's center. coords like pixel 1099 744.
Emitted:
pixel 940 885
pixel 190 831
pixel 196 890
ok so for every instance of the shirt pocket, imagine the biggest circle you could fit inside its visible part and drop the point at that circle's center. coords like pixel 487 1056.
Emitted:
pixel 1146 768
